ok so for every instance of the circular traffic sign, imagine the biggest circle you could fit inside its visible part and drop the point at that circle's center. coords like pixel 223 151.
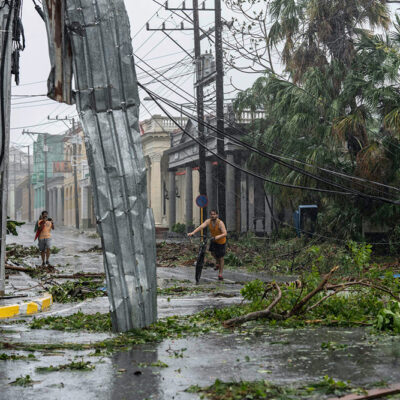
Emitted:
pixel 202 201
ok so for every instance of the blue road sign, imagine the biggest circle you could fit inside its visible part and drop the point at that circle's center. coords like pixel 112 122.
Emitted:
pixel 202 201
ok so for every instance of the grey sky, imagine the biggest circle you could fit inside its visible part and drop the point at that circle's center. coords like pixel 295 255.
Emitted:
pixel 154 47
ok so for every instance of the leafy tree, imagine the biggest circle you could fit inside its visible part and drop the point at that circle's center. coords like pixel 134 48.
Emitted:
pixel 337 106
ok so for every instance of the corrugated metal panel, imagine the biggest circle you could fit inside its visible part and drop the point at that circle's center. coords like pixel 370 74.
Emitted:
pixel 108 103
pixel 59 83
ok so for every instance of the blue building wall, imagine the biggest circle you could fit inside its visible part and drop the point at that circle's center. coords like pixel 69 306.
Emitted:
pixel 55 145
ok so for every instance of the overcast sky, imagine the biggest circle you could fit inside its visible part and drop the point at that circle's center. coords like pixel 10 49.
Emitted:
pixel 154 47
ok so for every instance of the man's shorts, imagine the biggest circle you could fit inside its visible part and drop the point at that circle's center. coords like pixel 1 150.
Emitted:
pixel 44 244
pixel 218 250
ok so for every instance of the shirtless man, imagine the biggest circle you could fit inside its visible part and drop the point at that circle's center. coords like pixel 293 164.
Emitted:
pixel 218 239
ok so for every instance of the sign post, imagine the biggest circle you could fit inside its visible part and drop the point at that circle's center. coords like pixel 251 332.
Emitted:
pixel 202 202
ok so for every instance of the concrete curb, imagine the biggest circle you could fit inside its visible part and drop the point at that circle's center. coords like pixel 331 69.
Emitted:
pixel 27 308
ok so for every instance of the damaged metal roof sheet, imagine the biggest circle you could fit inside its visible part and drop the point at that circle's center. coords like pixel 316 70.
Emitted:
pixel 94 35
pixel 59 84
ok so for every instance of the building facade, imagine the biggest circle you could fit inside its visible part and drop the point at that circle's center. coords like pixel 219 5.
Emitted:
pixel 18 179
pixel 156 139
pixel 77 208
pixel 47 150
pixel 248 207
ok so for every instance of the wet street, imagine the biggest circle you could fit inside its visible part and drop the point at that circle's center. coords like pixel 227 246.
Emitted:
pixel 163 371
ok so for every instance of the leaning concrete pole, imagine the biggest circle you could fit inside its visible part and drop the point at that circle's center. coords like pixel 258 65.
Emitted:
pixel 108 104
pixel 6 26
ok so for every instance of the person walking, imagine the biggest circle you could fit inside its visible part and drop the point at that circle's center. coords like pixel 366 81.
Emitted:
pixel 218 240
pixel 43 230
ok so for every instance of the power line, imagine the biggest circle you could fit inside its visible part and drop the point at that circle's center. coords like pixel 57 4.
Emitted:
pixel 299 170
pixel 151 94
pixel 33 126
pixel 349 191
pixel 326 170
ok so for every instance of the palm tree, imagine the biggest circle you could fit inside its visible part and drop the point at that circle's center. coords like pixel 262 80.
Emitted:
pixel 341 110
pixel 314 33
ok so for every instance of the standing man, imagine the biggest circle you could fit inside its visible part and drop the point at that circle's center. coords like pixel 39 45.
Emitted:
pixel 43 232
pixel 218 239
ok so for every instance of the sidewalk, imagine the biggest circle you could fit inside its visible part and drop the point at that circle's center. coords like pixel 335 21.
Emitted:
pixel 27 297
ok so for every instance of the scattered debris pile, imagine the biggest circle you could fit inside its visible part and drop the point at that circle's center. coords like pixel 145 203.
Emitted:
pixel 371 294
pixel 76 290
pixel 173 254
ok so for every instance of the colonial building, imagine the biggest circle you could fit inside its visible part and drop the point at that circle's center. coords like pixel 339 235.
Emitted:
pixel 156 140
pixel 47 151
pixel 18 183
pixel 248 208
pixel 75 157
pixel 24 200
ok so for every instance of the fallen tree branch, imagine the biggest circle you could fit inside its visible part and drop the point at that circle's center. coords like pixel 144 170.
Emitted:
pixel 297 308
pixel 325 298
pixel 366 284
pixel 257 314
pixel 15 268
pixel 60 276
pixel 79 275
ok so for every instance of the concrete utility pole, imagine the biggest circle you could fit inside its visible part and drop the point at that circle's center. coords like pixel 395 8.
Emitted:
pixel 30 184
pixel 200 83
pixel 45 151
pixel 14 170
pixel 7 12
pixel 199 99
pixel 74 147
pixel 219 61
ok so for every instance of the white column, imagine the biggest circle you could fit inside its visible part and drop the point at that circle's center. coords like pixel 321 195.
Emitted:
pixel 251 204
pixel 156 188
pixel 50 197
pixel 172 200
pixel 268 215
pixel 211 185
pixel 230 195
pixel 54 193
pixel 189 197
pixel 85 206
pixel 243 202
pixel 59 206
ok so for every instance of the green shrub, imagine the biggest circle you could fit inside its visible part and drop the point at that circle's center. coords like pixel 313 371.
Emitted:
pixel 394 241
pixel 179 228
pixel 253 291
pixel 233 260
pixel 389 318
